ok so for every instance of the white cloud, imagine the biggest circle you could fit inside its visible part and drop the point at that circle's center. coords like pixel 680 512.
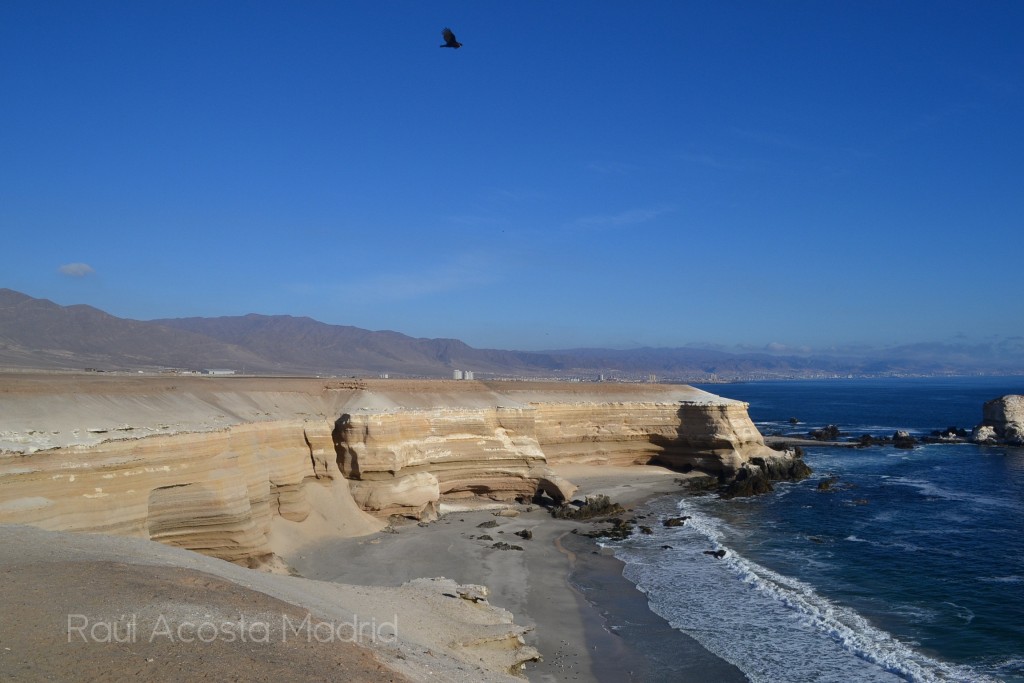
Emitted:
pixel 76 269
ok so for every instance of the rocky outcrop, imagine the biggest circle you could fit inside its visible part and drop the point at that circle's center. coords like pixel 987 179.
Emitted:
pixel 407 461
pixel 714 435
pixel 216 492
pixel 1002 421
pixel 234 468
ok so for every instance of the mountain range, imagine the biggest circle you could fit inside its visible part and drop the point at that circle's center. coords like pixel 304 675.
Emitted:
pixel 38 333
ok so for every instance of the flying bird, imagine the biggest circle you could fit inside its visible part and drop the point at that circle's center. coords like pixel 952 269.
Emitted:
pixel 449 39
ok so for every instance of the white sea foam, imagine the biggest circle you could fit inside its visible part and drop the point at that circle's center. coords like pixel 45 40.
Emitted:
pixel 1013 578
pixel 772 626
pixel 932 490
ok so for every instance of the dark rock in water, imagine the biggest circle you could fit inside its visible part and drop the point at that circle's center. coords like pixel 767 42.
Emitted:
pixel 675 521
pixel 826 484
pixel 620 530
pixel 485 537
pixel 489 524
pixel 717 554
pixel 666 547
pixel 794 421
pixel 525 534
pixel 866 440
pixel 861 501
pixel 826 433
pixel 646 530
pixel 1014 434
pixel 953 434
pixel 748 482
pixel 902 439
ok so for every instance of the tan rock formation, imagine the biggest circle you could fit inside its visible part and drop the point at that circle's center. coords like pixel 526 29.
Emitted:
pixel 234 468
pixel 407 461
pixel 715 435
pixel 212 492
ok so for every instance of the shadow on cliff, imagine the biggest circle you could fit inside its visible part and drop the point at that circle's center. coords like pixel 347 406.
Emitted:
pixel 348 464
pixel 685 454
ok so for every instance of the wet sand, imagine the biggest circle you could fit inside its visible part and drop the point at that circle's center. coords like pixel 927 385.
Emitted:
pixel 588 622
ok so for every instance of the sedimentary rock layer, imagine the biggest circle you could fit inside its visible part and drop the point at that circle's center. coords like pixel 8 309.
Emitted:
pixel 714 436
pixel 224 466
pixel 212 492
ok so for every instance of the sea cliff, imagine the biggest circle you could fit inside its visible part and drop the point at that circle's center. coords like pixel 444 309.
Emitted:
pixel 237 467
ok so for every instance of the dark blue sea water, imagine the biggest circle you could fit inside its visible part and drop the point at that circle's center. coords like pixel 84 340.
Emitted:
pixel 910 568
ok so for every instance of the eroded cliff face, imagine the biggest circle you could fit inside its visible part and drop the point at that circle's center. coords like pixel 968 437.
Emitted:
pixel 214 492
pixel 406 462
pixel 252 467
pixel 716 436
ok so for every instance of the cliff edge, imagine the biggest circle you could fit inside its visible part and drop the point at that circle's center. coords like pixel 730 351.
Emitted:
pixel 241 468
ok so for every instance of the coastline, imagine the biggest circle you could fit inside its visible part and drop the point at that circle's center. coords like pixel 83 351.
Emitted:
pixel 588 622
pixel 152 459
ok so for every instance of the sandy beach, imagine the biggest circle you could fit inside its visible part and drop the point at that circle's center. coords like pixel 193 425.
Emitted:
pixel 587 621
pixel 247 472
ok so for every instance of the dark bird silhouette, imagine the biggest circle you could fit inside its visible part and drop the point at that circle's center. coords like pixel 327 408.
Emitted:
pixel 449 39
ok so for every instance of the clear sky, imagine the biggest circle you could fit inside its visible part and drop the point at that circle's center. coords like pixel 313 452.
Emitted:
pixel 581 173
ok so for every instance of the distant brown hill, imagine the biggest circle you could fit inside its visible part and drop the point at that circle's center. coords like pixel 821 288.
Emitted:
pixel 36 333
pixel 309 345
pixel 39 333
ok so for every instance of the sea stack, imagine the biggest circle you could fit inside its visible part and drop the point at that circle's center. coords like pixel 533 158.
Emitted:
pixel 1002 422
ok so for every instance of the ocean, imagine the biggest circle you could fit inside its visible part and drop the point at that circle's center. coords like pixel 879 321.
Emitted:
pixel 909 568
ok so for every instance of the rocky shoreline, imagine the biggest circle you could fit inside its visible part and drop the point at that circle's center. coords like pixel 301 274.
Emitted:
pixel 1002 425
pixel 273 473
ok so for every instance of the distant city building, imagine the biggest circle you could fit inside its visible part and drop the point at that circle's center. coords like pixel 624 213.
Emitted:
pixel 218 371
pixel 457 374
pixel 462 374
pixel 468 374
pixel 383 375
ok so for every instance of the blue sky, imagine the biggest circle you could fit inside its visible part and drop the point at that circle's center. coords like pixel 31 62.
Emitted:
pixel 578 174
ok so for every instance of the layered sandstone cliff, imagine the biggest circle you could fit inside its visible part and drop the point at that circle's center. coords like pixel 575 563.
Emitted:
pixel 406 461
pixel 711 434
pixel 213 492
pixel 235 468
